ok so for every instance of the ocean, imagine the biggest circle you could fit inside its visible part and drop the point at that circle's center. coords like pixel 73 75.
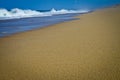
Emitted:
pixel 16 21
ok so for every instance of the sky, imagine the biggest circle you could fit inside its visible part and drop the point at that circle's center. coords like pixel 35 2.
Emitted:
pixel 57 4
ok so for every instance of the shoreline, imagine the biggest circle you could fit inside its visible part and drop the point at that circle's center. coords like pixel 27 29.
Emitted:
pixel 72 17
pixel 37 28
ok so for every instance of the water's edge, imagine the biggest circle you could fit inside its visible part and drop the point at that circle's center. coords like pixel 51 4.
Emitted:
pixel 15 26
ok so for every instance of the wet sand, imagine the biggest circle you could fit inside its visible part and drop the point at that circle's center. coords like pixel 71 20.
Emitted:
pixel 84 49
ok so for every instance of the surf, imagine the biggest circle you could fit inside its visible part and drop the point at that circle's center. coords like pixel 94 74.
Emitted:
pixel 22 13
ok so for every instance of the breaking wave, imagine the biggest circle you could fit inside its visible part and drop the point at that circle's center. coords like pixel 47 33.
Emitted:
pixel 19 13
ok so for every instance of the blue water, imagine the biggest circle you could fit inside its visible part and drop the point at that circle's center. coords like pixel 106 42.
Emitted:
pixel 9 27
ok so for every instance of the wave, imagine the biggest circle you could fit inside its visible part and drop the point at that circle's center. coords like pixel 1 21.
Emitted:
pixel 19 13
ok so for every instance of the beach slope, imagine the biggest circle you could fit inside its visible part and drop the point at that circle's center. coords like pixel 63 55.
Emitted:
pixel 84 49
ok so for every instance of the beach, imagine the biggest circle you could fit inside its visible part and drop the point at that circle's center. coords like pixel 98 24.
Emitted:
pixel 84 49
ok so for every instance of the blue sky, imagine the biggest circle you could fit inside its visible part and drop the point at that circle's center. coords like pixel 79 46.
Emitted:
pixel 57 4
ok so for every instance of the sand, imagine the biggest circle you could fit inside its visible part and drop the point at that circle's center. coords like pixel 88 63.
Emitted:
pixel 84 49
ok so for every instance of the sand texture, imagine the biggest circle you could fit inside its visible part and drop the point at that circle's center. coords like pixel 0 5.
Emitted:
pixel 84 49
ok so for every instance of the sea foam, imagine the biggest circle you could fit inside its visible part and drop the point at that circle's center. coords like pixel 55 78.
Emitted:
pixel 20 13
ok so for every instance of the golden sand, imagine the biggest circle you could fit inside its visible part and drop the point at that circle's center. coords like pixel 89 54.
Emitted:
pixel 85 49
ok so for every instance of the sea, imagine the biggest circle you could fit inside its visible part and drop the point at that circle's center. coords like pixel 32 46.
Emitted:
pixel 18 20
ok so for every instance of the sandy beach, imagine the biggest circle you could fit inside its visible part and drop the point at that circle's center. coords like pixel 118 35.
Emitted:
pixel 84 49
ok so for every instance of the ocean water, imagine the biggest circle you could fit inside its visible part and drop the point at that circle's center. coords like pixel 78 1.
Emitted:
pixel 17 20
pixel 12 26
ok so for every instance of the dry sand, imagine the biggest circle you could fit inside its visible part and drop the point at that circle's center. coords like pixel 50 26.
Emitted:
pixel 85 49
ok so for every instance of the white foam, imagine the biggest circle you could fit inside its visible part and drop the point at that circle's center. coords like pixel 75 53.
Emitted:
pixel 19 13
